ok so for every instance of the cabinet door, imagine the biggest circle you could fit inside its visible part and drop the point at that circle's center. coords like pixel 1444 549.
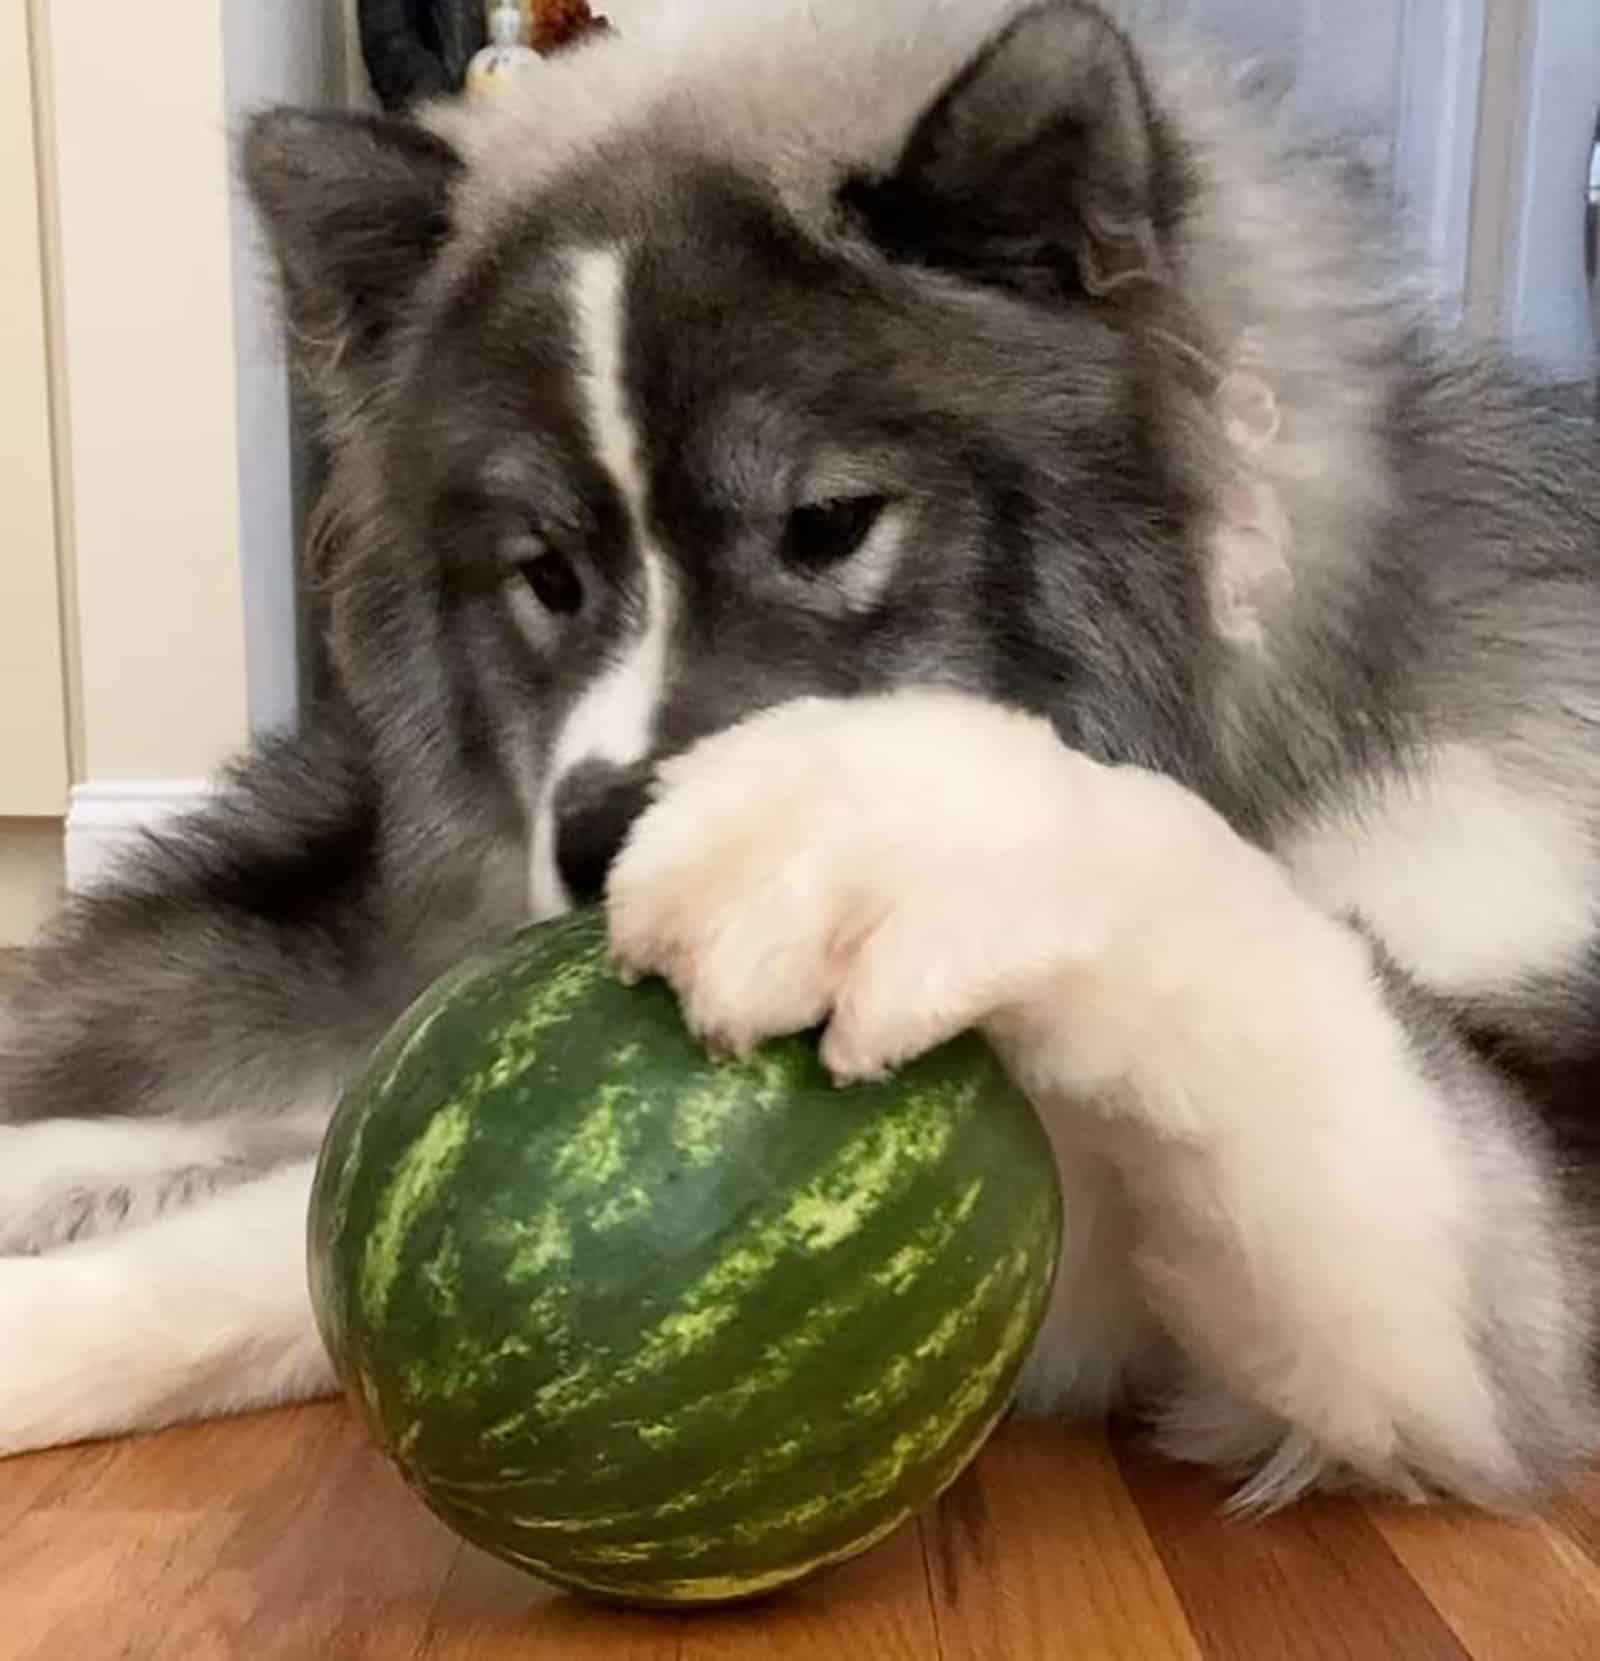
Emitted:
pixel 33 741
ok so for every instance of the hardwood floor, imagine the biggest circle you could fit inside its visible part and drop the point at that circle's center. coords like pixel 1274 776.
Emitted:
pixel 284 1538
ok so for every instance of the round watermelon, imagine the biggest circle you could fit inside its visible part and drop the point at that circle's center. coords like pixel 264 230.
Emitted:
pixel 659 1328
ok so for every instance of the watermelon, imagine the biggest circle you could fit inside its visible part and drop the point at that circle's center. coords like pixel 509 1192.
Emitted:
pixel 658 1328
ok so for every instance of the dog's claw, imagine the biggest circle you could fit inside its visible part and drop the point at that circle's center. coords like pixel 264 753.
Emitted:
pixel 718 1045
pixel 844 1077
pixel 847 1070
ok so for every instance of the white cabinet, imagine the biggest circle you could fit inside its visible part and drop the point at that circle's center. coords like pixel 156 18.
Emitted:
pixel 33 724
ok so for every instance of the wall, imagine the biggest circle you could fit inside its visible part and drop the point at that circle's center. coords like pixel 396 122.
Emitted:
pixel 33 753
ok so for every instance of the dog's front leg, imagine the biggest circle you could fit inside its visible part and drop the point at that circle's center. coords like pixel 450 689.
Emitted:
pixel 1326 1194
pixel 1331 1207
pixel 202 1312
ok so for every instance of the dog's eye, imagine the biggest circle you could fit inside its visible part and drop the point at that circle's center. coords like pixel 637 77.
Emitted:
pixel 554 582
pixel 826 533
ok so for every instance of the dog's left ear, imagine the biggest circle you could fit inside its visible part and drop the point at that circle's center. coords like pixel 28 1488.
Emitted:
pixel 1041 168
pixel 356 208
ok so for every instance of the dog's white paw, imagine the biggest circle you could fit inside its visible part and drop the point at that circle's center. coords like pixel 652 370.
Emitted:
pixel 898 867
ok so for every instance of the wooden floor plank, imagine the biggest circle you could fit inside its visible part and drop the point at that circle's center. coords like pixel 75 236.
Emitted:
pixel 1313 1583
pixel 104 1584
pixel 1039 1552
pixel 117 1549
pixel 345 1564
pixel 1511 1590
pixel 280 1536
pixel 1577 1511
pixel 232 1466
pixel 43 1479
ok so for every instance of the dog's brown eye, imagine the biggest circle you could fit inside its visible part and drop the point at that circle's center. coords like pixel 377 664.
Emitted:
pixel 827 533
pixel 555 583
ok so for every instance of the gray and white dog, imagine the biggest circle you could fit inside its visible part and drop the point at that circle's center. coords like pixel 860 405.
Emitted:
pixel 950 491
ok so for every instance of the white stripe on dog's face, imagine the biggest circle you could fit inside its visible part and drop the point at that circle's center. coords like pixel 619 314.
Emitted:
pixel 615 719
pixel 599 298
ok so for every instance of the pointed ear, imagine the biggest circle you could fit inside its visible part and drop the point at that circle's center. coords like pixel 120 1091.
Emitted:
pixel 356 208
pixel 1041 168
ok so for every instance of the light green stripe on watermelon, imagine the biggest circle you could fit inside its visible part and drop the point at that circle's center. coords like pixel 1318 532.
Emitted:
pixel 442 1274
pixel 514 1045
pixel 883 1158
pixel 405 1043
pixel 870 1169
pixel 709 1588
pixel 537 1246
pixel 593 1155
pixel 939 1434
pixel 628 1205
pixel 901 1271
pixel 705 1113
pixel 431 1160
pixel 951 1432
pixel 413 1189
pixel 999 1285
pixel 779 1361
pixel 950 1438
pixel 880 1161
pixel 462 1374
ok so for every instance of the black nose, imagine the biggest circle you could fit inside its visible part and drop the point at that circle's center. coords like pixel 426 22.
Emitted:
pixel 594 810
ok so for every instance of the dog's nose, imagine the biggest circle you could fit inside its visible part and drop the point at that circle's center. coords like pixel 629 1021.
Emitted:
pixel 594 810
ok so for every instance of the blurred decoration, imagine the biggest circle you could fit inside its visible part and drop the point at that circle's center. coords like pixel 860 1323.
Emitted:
pixel 419 49
pixel 556 24
pixel 415 50
pixel 508 55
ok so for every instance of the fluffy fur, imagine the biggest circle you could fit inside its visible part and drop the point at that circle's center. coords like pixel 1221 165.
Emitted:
pixel 947 510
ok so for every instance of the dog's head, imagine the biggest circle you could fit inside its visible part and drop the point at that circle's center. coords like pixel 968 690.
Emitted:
pixel 745 356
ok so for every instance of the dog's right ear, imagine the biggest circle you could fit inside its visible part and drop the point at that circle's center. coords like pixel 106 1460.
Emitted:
pixel 1042 168
pixel 356 207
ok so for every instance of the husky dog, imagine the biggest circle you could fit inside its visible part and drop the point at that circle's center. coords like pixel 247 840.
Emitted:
pixel 943 512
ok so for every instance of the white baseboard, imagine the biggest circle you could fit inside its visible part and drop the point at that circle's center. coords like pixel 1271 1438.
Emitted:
pixel 104 818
